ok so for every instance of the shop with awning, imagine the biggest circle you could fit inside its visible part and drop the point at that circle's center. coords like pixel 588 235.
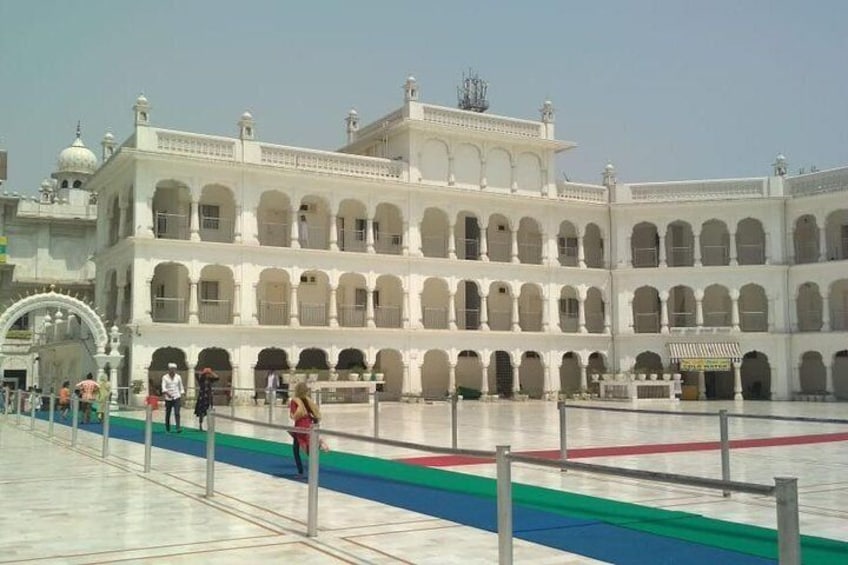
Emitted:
pixel 709 357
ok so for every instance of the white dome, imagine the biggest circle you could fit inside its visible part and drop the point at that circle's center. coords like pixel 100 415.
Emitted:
pixel 247 116
pixel 141 100
pixel 77 159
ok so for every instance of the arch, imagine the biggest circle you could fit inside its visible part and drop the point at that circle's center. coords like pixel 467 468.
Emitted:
pixel 529 172
pixel 750 242
pixel 644 245
pixel 839 305
pixel 388 302
pixel 390 363
pixel 434 161
pixel 216 214
pixel 273 293
pixel 313 222
pixel 169 293
pixel 468 165
pixel 467 305
pixel 351 225
pixel 499 169
pixel 806 239
pixel 215 295
pixel 715 243
pixel 218 360
pixel 434 229
pixel 597 364
pixel 812 373
pixel 679 244
pixel 648 362
pixel 159 365
pixel 681 307
pixel 808 307
pixel 59 301
pixel 499 306
pixel 467 236
pixel 468 370
pixel 593 246
pixel 435 298
pixel 569 373
pixel 753 308
pixel 171 207
pixel 531 375
pixel 312 358
pixel 569 310
pixel 269 359
pixel 529 241
pixel 530 304
pixel 646 310
pixel 499 238
pixel 594 311
pixel 387 228
pixel 836 235
pixel 435 374
pixel 756 376
pixel 717 306
pixel 501 374
pixel 350 359
pixel 567 244
pixel 274 219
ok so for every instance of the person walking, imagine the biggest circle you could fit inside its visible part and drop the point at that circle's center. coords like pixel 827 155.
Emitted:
pixel 271 387
pixel 204 394
pixel 304 413
pixel 88 389
pixel 104 396
pixel 65 399
pixel 172 390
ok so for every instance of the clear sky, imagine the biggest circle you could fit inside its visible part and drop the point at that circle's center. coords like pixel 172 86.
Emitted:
pixel 666 90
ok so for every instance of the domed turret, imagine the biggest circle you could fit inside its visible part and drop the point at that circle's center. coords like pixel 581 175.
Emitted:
pixel 77 159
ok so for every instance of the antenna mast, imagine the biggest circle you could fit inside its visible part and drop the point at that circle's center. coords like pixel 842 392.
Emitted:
pixel 471 93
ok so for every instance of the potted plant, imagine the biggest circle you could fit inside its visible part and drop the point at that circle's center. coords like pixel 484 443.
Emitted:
pixel 137 391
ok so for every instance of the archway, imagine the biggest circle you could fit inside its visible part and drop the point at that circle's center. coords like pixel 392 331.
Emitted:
pixel 159 365
pixel 812 373
pixel 269 359
pixel 756 376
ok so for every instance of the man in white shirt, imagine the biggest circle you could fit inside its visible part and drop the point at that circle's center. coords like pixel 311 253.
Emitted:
pixel 172 391
pixel 271 387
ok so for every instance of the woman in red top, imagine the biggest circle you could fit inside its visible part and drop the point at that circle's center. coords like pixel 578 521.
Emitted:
pixel 303 412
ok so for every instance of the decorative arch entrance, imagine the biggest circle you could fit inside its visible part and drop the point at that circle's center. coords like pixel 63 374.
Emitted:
pixel 106 342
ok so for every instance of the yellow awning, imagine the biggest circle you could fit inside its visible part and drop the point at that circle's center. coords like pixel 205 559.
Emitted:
pixel 709 350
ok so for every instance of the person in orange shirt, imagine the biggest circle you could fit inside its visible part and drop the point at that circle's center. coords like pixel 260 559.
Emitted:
pixel 65 399
pixel 88 389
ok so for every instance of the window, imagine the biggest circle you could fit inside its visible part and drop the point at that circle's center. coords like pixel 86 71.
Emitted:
pixel 209 290
pixel 569 307
pixel 21 323
pixel 159 291
pixel 375 227
pixel 307 279
pixel 360 298
pixel 567 246
pixel 360 229
pixel 64 184
pixel 210 217
pixel 77 183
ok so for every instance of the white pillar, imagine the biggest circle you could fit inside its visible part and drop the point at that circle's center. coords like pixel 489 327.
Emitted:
pixel 484 378
pixel 696 248
pixel 829 378
pixel 452 241
pixel 664 312
pixel 369 235
pixel 147 216
pixel 293 228
pixel 334 308
pixel 122 220
pixel 581 252
pixel 546 314
pixel 699 308
pixel 516 327
pixel 369 307
pixel 406 385
pixel 237 304
pixel 237 226
pixel 826 313
pixel 737 380
pixel 119 307
pixel 334 232
pixel 734 259
pixel 484 312
pixel 584 382
pixel 516 378
pixel 822 242
pixel 581 311
pixel 405 307
pixel 514 246
pixel 702 386
pixel 661 252
pixel 194 220
pixel 192 302
pixel 294 307
pixel 452 311
pixel 451 378
pixel 734 310
pixel 404 238
pixel 484 244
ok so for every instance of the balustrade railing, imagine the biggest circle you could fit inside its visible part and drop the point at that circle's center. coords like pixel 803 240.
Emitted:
pixel 312 314
pixel 647 322
pixel 751 253
pixel 388 243
pixel 434 246
pixel 645 257
pixel 213 228
pixel 530 321
pixel 215 311
pixel 467 248
pixel 273 313
pixel 352 240
pixel 435 318
pixel 352 316
pixel 753 321
pixel 569 323
pixel 715 255
pixel 170 226
pixel 499 320
pixel 680 256
pixel 567 255
pixel 715 319
pixel 313 238
pixel 169 310
pixel 468 318
pixel 530 252
pixel 387 316
pixel 275 234
pixel 682 319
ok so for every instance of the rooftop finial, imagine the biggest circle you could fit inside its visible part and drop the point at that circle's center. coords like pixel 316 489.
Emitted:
pixel 79 130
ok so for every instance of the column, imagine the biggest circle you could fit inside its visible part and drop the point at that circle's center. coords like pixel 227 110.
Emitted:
pixel 516 379
pixel 405 307
pixel 250 227
pixel 737 379
pixel 484 377
pixel 628 250
pixel 545 250
pixel 514 246
pixel 484 244
pixel 484 312
pixel 334 232
pixel 147 216
pixel 406 385
pixel 546 314
pixel 237 303
pixel 822 241
pixel 697 248
pixel 702 386
pixel 734 309
pixel 122 219
pixel 734 259
pixel 369 235
pixel 699 308
pixel 237 226
pixel 794 318
pixel 294 316
pixel 630 314
pixel 767 248
pixel 581 252
pixel 451 170
pixel 404 238
pixel 452 311
pixel 194 220
pixel 664 312
pixel 294 233
pixel 452 241
pixel 581 311
pixel 826 313
pixel 584 382
pixel 369 307
pixel 661 252
pixel 192 302
pixel 515 326
pixel 828 382
pixel 608 316
pixel 334 308
pixel 119 309
pixel 421 309
pixel 451 378
pixel 514 178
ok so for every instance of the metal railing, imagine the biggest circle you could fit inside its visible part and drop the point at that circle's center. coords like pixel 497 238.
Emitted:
pixel 213 228
pixel 387 316
pixel 810 321
pixel 468 318
pixel 388 243
pixel 467 248
pixel 500 320
pixel 312 314
pixel 172 310
pixel 717 319
pixel 839 320
pixel 567 255
pixel 170 226
pixel 645 257
pixel 215 311
pixel 715 255
pixel 352 316
pixel 530 321
pixel 273 313
pixel 275 234
pixel 499 250
pixel 751 253
pixel 436 318
pixel 682 319
pixel 569 323
pixel 313 238
pixel 680 256
pixel 647 322
pixel 530 253
pixel 434 246
pixel 352 240
pixel 753 321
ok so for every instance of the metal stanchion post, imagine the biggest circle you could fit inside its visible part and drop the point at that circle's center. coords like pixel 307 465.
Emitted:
pixel 788 529
pixel 725 449
pixel 104 452
pixel 74 420
pixel 51 414
pixel 148 436
pixel 232 405
pixel 563 445
pixel 312 495
pixel 376 414
pixel 504 486
pixel 454 439
pixel 32 397
pixel 271 412
pixel 7 400
pixel 18 407
pixel 210 454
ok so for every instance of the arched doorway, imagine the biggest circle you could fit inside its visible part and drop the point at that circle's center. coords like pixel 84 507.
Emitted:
pixel 218 360
pixel 159 366
pixel 813 373
pixel 269 359
pixel 756 376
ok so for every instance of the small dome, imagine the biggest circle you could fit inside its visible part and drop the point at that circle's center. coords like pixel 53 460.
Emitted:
pixel 247 115
pixel 781 157
pixel 353 112
pixel 410 78
pixel 77 159
pixel 141 100
pixel 609 168
pixel 108 136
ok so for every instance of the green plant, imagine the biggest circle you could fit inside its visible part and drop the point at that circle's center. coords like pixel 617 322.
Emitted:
pixel 137 386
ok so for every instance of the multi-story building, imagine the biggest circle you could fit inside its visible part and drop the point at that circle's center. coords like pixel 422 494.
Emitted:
pixel 49 242
pixel 438 247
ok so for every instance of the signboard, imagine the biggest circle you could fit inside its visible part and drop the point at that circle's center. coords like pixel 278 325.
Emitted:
pixel 705 364
pixel 2 250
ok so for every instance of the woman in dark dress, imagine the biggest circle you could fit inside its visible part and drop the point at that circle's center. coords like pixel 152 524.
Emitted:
pixel 204 394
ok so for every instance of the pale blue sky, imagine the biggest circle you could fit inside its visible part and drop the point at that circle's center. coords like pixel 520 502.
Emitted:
pixel 665 89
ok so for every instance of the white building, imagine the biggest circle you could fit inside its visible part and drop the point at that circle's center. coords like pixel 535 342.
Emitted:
pixel 50 242
pixel 438 247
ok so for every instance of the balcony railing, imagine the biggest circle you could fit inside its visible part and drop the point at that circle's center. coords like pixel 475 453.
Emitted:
pixel 567 255
pixel 530 252
pixel 434 246
pixel 273 313
pixel 312 314
pixel 215 312
pixel 468 248
pixel 645 257
pixel 313 238
pixel 751 254
pixel 499 251
pixel 500 320
pixel 352 316
pixel 387 316
pixel 170 226
pixel 680 256
pixel 595 322
pixel 468 319
pixel 213 228
pixel 753 321
pixel 569 323
pixel 647 322
pixel 806 252
pixel 436 318
pixel 717 319
pixel 682 319
pixel 275 234
pixel 169 310
pixel 388 243
pixel 715 255
pixel 530 321
pixel 352 240
pixel 839 320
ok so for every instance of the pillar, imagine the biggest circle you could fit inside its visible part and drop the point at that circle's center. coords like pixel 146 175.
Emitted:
pixel 122 219
pixel 825 313
pixel 294 307
pixel 452 311
pixel 237 226
pixel 737 379
pixel 734 259
pixel 515 326
pixel 702 386
pixel 581 311
pixel 334 232
pixel 628 250
pixel 516 379
pixel 146 216
pixel 734 310
pixel 696 248
pixel 334 308
pixel 484 312
pixel 822 241
pixel 546 314
pixel 699 308
pixel 581 252
pixel 369 235
pixel 584 382
pixel 194 220
pixel 192 302
pixel 369 307
pixel 514 246
pixel 484 379
pixel 119 309
pixel 404 238
pixel 405 307
pixel 484 244
pixel 451 378
pixel 294 234
pixel 452 241
pixel 829 378
pixel 661 252
pixel 608 316
pixel 664 312
pixel 237 303
pixel 406 384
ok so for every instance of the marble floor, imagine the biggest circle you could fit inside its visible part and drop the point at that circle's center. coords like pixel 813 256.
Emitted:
pixel 68 505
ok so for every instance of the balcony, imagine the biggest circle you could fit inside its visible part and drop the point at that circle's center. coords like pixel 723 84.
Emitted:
pixel 753 321
pixel 351 316
pixel 645 257
pixel 275 234
pixel 169 310
pixel 567 255
pixel 212 311
pixel 273 313
pixel 468 319
pixel 569 323
pixel 387 316
pixel 434 246
pixel 170 226
pixel 530 321
pixel 839 320
pixel 500 320
pixel 388 243
pixel 751 254
pixel 313 314
pixel 352 240
pixel 715 255
pixel 436 318
pixel 215 229
pixel 647 322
